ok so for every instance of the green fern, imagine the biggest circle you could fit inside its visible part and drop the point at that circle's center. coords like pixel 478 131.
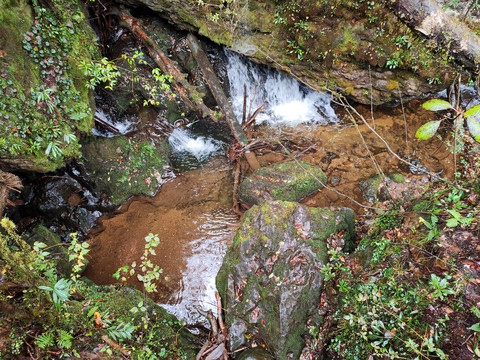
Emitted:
pixel 45 340
pixel 121 331
pixel 64 339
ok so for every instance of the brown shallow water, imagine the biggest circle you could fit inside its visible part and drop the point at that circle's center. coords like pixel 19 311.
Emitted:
pixel 192 216
pixel 192 213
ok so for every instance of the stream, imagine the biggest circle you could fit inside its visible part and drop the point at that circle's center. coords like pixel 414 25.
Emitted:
pixel 192 212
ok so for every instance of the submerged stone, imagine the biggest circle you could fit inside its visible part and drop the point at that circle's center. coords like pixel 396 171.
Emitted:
pixel 288 181
pixel 271 278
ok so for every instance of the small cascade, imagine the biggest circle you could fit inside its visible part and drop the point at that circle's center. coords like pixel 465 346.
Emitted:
pixel 287 101
pixel 191 150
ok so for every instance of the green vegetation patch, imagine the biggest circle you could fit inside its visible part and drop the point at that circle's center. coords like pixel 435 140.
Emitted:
pixel 44 102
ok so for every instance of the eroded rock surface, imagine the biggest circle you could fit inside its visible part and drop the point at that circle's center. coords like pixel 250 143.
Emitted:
pixel 271 276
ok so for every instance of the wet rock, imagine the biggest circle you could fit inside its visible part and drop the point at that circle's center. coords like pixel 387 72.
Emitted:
pixel 371 188
pixel 394 186
pixel 123 167
pixel 271 279
pixel 256 353
pixel 289 181
pixel 64 203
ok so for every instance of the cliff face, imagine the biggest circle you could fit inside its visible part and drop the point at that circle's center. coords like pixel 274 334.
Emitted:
pixel 358 48
pixel 44 101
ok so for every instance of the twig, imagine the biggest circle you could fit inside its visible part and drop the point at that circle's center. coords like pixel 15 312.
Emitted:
pixel 221 324
pixel 203 349
pixel 244 113
pixel 236 180
pixel 251 119
pixel 404 120
pixel 371 95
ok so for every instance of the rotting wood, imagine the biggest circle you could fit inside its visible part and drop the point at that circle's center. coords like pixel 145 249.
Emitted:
pixel 219 95
pixel 8 182
pixel 187 92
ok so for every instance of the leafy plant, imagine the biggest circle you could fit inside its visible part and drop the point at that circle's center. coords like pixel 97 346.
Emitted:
pixel 440 287
pixel 121 331
pixel 45 340
pixel 60 291
pixel 429 129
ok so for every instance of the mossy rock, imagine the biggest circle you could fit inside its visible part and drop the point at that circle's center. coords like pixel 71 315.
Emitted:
pixel 44 101
pixel 256 353
pixel 123 167
pixel 288 181
pixel 270 279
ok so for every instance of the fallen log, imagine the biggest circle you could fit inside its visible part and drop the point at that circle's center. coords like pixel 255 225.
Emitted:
pixel 219 95
pixel 429 19
pixel 187 92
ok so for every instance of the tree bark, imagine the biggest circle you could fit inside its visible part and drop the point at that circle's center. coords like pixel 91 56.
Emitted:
pixel 429 19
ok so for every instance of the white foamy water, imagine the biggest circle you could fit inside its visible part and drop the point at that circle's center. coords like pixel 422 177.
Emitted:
pixel 202 148
pixel 287 101
pixel 125 126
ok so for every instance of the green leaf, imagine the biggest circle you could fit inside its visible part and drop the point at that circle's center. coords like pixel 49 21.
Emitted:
pixel 437 105
pixel 427 130
pixel 475 327
pixel 452 222
pixel 473 125
pixel 473 111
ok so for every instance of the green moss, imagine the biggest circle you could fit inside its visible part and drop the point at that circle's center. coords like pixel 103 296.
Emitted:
pixel 124 167
pixel 43 98
pixel 398 178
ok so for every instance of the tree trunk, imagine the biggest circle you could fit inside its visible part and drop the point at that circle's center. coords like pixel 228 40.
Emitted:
pixel 429 19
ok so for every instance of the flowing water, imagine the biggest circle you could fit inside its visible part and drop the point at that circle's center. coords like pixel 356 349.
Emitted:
pixel 192 213
pixel 287 101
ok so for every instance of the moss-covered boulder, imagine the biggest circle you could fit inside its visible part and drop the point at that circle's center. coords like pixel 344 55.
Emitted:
pixel 271 278
pixel 44 101
pixel 123 167
pixel 288 181
pixel 256 353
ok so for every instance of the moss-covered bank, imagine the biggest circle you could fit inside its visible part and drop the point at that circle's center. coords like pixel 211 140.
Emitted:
pixel 44 103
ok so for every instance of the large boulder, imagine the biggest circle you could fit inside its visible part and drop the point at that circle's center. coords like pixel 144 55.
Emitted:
pixel 271 278
pixel 289 181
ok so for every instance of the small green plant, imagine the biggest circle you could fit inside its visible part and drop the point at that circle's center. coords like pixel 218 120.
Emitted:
pixel 77 252
pixel 471 116
pixel 433 232
pixel 60 291
pixel 440 287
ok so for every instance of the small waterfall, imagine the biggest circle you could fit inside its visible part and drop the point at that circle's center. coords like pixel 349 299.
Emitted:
pixel 192 149
pixel 287 101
